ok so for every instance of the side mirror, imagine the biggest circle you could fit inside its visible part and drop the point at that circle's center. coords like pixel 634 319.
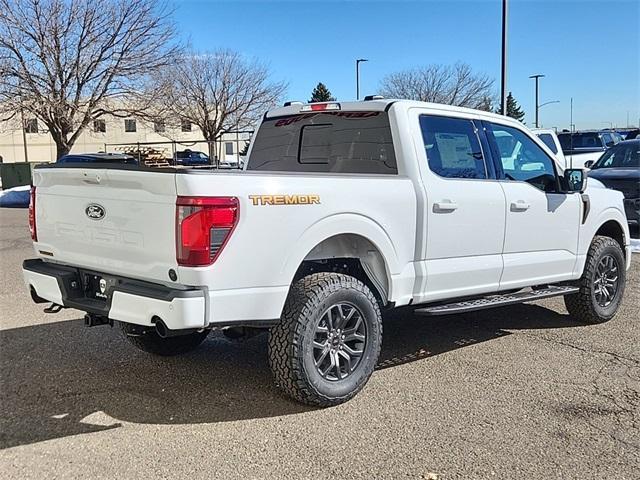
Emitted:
pixel 575 180
pixel 589 163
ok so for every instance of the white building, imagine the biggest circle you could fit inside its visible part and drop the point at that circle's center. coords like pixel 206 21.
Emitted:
pixel 108 134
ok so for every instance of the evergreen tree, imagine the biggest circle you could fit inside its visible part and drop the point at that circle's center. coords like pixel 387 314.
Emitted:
pixel 321 94
pixel 513 109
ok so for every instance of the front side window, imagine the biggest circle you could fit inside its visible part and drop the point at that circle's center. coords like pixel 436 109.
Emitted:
pixel 336 142
pixel 452 147
pixel 522 159
pixel 130 125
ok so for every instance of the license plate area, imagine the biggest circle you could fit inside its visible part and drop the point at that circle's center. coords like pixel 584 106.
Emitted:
pixel 97 286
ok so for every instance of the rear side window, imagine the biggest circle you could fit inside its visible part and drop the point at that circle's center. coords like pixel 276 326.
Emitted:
pixel 452 147
pixel 336 142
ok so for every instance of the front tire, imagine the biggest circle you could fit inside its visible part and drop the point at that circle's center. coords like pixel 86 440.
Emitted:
pixel 601 285
pixel 327 343
pixel 149 341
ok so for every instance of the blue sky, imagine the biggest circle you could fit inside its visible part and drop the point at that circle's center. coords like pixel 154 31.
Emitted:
pixel 588 50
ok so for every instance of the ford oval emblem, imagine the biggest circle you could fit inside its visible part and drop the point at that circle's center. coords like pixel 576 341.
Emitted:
pixel 95 211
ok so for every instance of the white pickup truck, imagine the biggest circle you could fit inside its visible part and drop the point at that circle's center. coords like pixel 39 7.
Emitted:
pixel 344 210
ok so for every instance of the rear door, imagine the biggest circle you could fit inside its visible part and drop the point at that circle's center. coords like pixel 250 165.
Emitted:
pixel 118 221
pixel 542 223
pixel 464 225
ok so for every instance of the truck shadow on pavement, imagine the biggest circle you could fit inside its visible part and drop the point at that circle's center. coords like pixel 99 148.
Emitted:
pixel 61 379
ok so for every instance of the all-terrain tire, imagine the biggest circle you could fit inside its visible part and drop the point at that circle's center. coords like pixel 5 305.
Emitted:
pixel 583 306
pixel 291 341
pixel 149 341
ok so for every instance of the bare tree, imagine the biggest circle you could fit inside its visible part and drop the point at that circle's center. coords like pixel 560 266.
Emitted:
pixel 69 62
pixel 217 92
pixel 449 84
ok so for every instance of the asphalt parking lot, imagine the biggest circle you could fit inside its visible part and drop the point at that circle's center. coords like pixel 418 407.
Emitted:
pixel 520 392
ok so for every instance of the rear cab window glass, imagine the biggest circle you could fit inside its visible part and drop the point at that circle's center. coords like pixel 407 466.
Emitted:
pixel 547 139
pixel 571 141
pixel 452 147
pixel 325 142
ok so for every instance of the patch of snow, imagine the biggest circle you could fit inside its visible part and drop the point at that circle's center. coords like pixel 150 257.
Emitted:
pixel 635 245
pixel 21 188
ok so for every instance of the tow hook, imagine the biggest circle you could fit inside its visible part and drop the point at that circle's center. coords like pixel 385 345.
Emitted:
pixel 92 320
pixel 53 308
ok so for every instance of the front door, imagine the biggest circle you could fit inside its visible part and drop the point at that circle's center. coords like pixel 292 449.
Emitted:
pixel 542 223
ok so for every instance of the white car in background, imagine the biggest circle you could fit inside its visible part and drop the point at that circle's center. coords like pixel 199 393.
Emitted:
pixel 550 139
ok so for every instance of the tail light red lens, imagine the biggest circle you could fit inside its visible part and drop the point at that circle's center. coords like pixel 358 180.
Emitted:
pixel 32 214
pixel 203 227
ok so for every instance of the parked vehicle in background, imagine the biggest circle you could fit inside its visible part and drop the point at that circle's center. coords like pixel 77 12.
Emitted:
pixel 191 158
pixel 550 139
pixel 584 146
pixel 118 158
pixel 619 169
pixel 344 210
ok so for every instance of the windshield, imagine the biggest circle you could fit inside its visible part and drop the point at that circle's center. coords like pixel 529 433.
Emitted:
pixel 620 156
pixel 570 141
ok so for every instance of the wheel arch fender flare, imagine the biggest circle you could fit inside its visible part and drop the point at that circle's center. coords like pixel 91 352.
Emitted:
pixel 610 216
pixel 344 224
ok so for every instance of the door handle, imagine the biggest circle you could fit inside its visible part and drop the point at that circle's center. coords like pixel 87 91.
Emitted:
pixel 520 206
pixel 444 206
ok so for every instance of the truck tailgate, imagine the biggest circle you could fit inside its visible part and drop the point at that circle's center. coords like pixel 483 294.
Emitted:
pixel 108 220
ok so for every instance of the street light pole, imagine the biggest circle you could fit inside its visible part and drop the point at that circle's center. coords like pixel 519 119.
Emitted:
pixel 537 77
pixel 358 61
pixel 503 74
pixel 24 136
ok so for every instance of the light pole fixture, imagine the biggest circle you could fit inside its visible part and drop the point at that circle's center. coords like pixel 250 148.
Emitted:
pixel 537 77
pixel 548 103
pixel 358 61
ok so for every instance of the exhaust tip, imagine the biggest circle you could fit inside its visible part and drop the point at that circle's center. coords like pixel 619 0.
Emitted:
pixel 161 328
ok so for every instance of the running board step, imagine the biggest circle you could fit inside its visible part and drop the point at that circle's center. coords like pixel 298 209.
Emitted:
pixel 491 301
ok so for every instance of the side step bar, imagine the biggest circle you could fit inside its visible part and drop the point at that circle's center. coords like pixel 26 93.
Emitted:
pixel 491 301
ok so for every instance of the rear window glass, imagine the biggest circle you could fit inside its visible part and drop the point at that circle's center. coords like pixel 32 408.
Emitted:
pixel 547 139
pixel 336 142
pixel 579 140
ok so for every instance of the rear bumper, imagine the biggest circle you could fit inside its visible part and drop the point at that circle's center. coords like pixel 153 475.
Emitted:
pixel 128 300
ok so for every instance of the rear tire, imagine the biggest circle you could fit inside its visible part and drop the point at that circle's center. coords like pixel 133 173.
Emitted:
pixel 601 285
pixel 149 341
pixel 326 345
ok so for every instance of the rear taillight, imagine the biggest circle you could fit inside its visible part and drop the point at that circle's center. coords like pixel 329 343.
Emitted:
pixel 32 214
pixel 203 227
